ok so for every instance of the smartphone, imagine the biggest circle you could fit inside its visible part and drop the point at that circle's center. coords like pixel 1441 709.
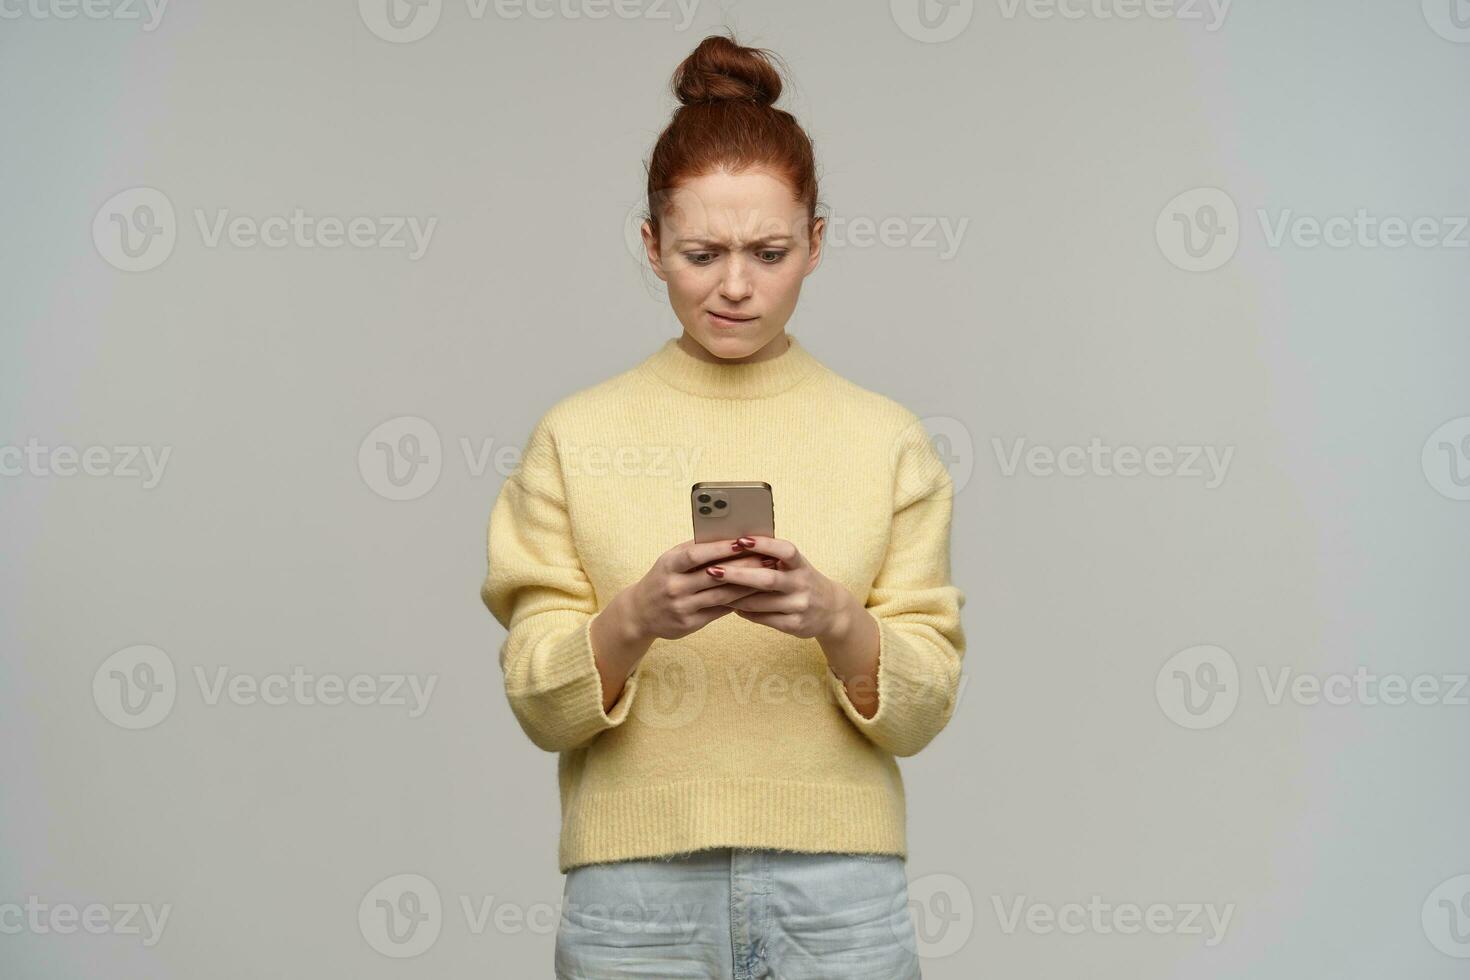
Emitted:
pixel 730 510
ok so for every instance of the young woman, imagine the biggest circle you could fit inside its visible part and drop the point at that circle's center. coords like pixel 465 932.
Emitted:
pixel 741 816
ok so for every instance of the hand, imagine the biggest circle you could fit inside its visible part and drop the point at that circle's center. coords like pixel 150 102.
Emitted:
pixel 793 597
pixel 678 596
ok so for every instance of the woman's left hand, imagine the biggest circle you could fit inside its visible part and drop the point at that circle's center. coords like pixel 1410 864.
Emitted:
pixel 795 597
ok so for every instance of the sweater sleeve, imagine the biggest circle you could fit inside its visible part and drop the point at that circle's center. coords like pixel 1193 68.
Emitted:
pixel 921 640
pixel 536 588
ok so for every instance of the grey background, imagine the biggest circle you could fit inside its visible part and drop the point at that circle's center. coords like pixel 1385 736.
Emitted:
pixel 1326 548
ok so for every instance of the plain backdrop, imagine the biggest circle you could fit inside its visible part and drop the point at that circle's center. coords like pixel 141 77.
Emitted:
pixel 338 420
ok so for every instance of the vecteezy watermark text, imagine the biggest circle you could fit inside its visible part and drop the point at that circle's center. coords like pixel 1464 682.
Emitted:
pixel 136 230
pixel 122 461
pixel 1105 918
pixel 1210 463
pixel 41 918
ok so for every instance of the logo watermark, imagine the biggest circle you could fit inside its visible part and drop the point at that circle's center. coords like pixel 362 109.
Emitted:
pixel 137 687
pixel 136 230
pixel 1446 917
pixel 406 21
pixel 1200 687
pixel 1445 459
pixel 1210 13
pixel 1103 918
pixel 148 12
pixel 1209 464
pixel 403 458
pixel 123 462
pixel 1450 19
pixel 1200 230
pixel 40 918
pixel 404 915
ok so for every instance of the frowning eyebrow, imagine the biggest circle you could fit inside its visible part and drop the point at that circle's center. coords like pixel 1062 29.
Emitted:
pixel 708 242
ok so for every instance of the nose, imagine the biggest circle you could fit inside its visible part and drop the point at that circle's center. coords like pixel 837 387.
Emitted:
pixel 736 284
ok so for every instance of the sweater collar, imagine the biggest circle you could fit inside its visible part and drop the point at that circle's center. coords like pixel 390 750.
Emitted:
pixel 760 379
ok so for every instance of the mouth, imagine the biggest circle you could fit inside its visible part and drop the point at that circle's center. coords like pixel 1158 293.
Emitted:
pixel 728 319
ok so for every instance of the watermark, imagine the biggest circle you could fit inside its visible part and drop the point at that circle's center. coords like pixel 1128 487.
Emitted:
pixel 149 12
pixel 137 688
pixel 1446 917
pixel 1450 19
pixel 1209 464
pixel 123 462
pixel 941 233
pixel 1103 918
pixel 40 918
pixel 941 915
pixel 404 457
pixel 401 916
pixel 136 230
pixel 950 445
pixel 1200 230
pixel 1210 13
pixel 1363 230
pixel 404 915
pixel 752 684
pixel 406 21
pixel 1200 687
pixel 932 21
pixel 1445 459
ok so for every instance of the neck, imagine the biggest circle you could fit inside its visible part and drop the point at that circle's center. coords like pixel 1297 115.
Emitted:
pixel 779 345
pixel 762 375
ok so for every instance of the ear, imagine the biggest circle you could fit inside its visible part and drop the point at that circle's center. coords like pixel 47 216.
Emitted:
pixel 650 245
pixel 815 243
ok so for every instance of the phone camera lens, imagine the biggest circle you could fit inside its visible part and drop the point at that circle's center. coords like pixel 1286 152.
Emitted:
pixel 720 503
pixel 703 498
pixel 704 510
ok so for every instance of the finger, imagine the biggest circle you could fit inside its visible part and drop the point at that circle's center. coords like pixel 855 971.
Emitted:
pixel 781 621
pixel 784 602
pixel 765 579
pixel 687 583
pixel 777 548
pixel 691 554
pixel 721 595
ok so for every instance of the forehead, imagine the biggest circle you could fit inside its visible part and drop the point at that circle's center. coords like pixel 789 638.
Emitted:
pixel 734 207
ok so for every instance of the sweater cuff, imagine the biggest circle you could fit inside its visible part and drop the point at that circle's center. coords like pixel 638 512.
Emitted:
pixel 914 700
pixel 566 711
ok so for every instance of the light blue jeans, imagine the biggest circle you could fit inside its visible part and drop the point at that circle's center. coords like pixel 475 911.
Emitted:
pixel 738 914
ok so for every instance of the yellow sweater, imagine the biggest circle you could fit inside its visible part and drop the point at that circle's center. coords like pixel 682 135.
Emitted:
pixel 737 735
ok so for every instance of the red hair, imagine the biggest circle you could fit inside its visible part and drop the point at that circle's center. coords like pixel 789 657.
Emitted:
pixel 726 121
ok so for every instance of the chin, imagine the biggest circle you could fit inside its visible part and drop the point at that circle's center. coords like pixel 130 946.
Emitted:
pixel 731 346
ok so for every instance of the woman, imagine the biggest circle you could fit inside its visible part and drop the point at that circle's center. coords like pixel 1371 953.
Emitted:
pixel 743 816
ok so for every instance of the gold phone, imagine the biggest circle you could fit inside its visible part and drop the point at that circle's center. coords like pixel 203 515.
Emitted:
pixel 730 510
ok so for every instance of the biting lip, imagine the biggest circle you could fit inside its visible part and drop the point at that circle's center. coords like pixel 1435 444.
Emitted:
pixel 730 316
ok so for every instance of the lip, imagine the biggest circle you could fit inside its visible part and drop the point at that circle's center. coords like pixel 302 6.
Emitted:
pixel 721 320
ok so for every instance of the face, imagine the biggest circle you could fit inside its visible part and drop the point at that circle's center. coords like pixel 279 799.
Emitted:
pixel 737 245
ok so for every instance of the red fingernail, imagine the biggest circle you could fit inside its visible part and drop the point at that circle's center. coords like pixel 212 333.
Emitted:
pixel 716 571
pixel 747 542
pixel 768 562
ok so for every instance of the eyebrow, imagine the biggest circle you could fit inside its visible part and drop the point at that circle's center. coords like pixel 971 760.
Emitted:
pixel 769 240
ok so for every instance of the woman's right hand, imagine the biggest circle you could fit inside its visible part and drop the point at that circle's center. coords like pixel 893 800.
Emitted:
pixel 678 596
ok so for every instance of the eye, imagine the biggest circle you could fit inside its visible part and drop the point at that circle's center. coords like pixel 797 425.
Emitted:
pixel 700 258
pixel 777 252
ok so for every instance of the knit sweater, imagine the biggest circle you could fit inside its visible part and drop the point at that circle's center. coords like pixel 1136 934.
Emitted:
pixel 736 735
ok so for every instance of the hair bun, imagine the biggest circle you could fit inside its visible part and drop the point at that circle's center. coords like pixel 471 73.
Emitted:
pixel 720 70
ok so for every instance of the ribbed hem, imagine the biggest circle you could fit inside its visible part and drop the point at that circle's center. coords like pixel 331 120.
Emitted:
pixel 674 366
pixel 657 821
